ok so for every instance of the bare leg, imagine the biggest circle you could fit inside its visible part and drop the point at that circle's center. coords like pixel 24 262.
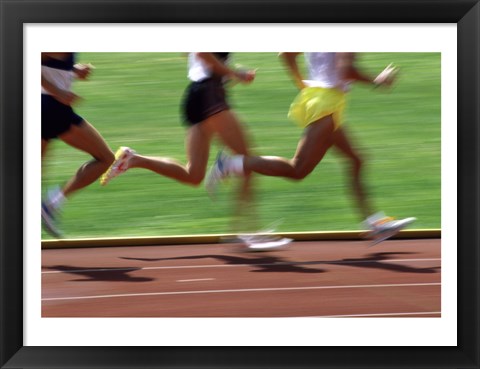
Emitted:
pixel 197 144
pixel 230 131
pixel 86 138
pixel 311 149
pixel 343 144
pixel 44 147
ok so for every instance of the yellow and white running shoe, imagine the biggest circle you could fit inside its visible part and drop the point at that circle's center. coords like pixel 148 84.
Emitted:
pixel 119 165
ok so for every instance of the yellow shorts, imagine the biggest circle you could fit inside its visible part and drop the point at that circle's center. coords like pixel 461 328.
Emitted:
pixel 314 103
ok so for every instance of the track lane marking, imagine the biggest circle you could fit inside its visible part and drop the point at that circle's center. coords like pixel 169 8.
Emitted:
pixel 240 290
pixel 196 280
pixel 376 314
pixel 234 265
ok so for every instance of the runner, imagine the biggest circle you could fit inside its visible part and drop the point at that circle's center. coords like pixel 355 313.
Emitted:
pixel 318 109
pixel 60 121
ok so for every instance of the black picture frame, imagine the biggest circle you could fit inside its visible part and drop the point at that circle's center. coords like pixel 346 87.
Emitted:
pixel 15 13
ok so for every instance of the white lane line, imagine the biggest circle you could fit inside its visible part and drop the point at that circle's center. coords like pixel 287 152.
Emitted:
pixel 378 314
pixel 196 280
pixel 235 265
pixel 240 290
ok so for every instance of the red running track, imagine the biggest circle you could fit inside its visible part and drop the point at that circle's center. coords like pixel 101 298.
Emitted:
pixel 397 278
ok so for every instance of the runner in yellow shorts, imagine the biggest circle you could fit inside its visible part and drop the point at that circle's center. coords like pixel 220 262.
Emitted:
pixel 318 109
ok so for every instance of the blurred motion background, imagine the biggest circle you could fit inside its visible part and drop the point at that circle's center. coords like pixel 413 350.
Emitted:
pixel 134 100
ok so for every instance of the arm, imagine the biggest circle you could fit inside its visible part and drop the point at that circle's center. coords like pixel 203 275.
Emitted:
pixel 81 71
pixel 290 61
pixel 65 97
pixel 345 63
pixel 220 69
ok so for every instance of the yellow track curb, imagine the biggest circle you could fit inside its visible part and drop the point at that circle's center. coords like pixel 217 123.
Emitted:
pixel 217 238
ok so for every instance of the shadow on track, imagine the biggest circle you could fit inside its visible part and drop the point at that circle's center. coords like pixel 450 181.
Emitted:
pixel 263 263
pixel 101 274
pixel 277 264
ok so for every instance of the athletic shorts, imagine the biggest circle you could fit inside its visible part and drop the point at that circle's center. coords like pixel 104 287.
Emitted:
pixel 203 99
pixel 57 118
pixel 314 103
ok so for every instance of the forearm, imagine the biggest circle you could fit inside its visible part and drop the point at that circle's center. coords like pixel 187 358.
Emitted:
pixel 348 72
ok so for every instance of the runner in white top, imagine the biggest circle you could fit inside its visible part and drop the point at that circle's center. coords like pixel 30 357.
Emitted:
pixel 318 109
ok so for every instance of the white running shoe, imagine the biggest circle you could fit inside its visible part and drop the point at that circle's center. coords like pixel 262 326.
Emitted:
pixel 266 243
pixel 119 165
pixel 49 220
pixel 263 241
pixel 51 213
pixel 382 227
pixel 216 174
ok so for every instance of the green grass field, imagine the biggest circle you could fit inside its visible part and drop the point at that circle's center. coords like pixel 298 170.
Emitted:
pixel 133 99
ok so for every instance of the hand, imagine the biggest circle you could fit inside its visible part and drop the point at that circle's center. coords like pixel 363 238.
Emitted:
pixel 387 76
pixel 82 71
pixel 245 76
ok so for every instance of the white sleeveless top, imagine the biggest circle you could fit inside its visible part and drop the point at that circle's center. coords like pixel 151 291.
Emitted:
pixel 198 70
pixel 323 71
pixel 59 78
pixel 59 72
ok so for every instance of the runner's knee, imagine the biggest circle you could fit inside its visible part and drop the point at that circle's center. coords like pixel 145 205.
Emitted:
pixel 301 173
pixel 106 158
pixel 357 162
pixel 196 178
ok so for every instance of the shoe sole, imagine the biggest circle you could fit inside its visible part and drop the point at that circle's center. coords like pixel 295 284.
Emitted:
pixel 269 245
pixel 49 226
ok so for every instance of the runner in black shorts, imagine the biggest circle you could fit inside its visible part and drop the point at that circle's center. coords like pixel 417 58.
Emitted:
pixel 207 114
pixel 60 121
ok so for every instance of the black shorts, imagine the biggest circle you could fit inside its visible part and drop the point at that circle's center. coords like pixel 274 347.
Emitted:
pixel 203 99
pixel 57 118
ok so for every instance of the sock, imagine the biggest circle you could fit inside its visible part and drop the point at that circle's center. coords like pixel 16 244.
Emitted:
pixel 235 165
pixel 56 197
